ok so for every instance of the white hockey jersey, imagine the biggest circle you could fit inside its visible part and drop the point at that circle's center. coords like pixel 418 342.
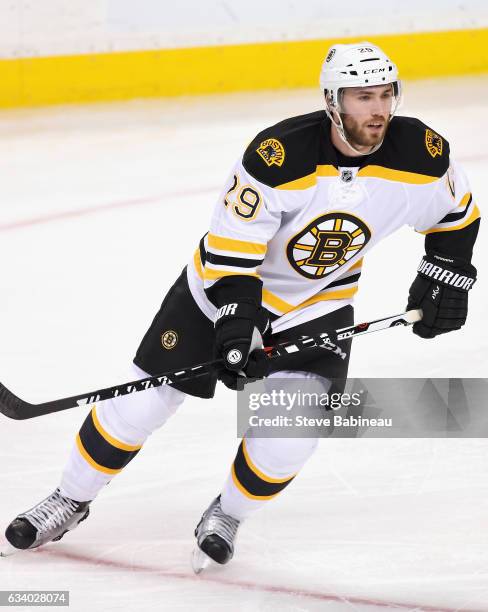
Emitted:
pixel 294 217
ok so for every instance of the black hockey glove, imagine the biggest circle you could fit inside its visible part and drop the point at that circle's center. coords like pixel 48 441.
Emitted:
pixel 441 291
pixel 238 340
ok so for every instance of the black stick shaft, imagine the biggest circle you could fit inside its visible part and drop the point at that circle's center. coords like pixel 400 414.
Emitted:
pixel 16 408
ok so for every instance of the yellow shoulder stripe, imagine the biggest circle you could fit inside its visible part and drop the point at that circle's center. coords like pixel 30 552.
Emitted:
pixel 239 246
pixel 327 170
pixel 396 175
pixel 302 183
pixel 380 172
pixel 310 179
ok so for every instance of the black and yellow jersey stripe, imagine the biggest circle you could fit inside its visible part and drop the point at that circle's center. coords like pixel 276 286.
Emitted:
pixel 403 157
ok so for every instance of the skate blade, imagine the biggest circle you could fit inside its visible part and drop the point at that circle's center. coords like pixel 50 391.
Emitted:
pixel 199 560
pixel 8 550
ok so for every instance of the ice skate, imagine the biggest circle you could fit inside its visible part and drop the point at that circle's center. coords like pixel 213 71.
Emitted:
pixel 215 535
pixel 48 521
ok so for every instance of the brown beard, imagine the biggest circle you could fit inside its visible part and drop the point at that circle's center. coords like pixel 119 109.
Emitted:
pixel 357 135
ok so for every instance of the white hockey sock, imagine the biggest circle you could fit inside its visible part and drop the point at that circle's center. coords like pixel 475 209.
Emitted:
pixel 112 435
pixel 263 467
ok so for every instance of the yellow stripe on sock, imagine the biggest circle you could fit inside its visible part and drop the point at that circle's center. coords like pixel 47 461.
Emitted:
pixel 88 459
pixel 110 439
pixel 258 472
pixel 246 492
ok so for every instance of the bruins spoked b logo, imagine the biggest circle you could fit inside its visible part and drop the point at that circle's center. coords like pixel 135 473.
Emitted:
pixel 327 243
pixel 169 339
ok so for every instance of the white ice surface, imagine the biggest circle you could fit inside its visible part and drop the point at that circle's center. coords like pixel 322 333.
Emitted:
pixel 368 524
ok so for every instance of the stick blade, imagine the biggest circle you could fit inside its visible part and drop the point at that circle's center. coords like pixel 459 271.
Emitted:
pixel 12 406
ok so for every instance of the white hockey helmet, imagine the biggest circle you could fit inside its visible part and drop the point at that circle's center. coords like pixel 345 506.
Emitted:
pixel 356 65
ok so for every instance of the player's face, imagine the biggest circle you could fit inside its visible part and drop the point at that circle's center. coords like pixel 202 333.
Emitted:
pixel 366 113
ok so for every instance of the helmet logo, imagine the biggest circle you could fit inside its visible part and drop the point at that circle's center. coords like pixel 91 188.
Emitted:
pixel 272 152
pixel 330 55
pixel 433 143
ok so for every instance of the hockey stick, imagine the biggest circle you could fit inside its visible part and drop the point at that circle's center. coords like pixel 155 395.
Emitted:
pixel 16 408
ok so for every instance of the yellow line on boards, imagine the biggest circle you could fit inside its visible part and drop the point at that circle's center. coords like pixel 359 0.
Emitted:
pixel 37 81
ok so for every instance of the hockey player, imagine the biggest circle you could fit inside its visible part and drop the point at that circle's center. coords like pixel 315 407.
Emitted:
pixel 309 198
